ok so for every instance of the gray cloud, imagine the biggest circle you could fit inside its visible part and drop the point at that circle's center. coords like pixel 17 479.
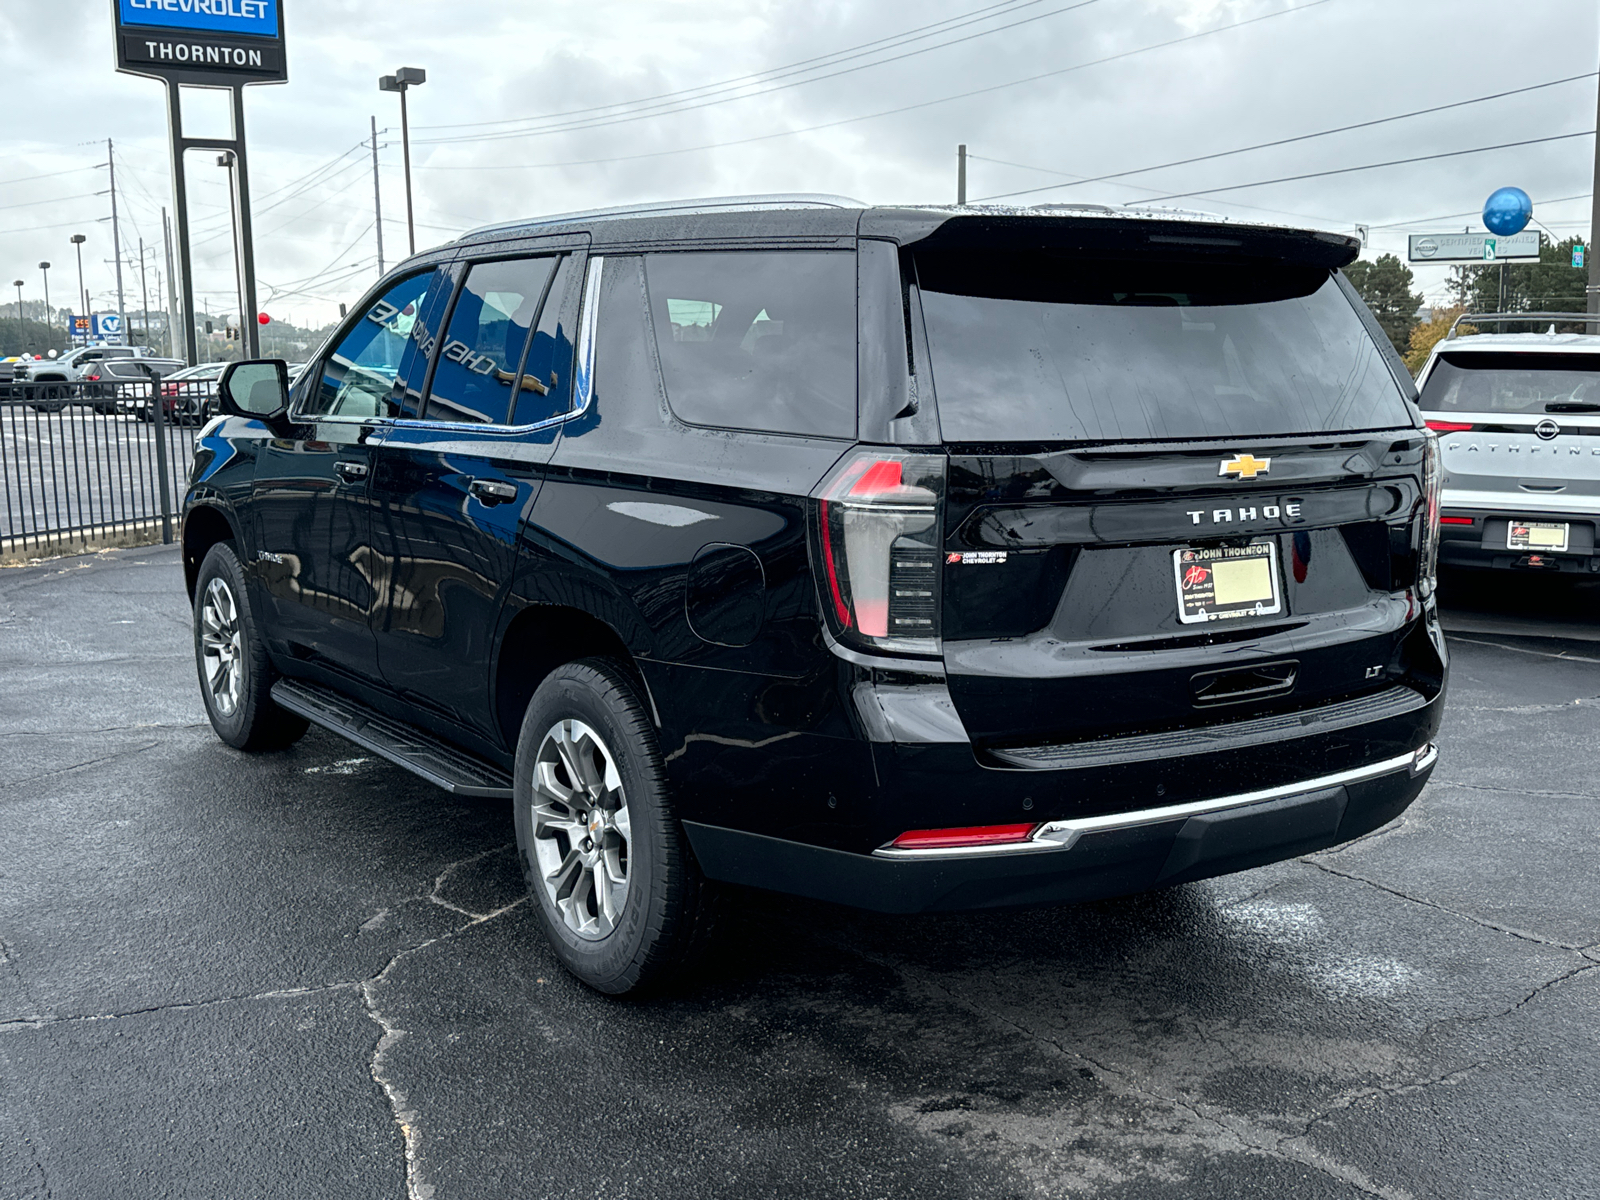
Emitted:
pixel 1332 64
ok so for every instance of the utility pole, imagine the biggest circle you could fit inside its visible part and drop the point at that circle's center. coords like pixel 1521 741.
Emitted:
pixel 1593 289
pixel 144 293
pixel 961 175
pixel 116 238
pixel 377 204
pixel 21 336
pixel 172 291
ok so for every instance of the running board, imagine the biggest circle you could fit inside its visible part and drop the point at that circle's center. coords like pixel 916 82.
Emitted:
pixel 457 772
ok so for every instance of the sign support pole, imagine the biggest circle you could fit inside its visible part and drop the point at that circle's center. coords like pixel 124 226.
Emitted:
pixel 180 214
pixel 246 247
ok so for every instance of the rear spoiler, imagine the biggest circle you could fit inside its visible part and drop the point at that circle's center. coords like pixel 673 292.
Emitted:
pixel 1111 231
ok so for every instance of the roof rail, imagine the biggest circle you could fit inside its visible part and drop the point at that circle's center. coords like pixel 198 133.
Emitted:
pixel 702 204
pixel 1503 317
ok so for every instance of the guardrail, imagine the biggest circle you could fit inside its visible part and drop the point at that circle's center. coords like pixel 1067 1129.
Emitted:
pixel 93 462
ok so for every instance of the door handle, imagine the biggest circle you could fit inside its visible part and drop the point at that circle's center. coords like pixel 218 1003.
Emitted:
pixel 492 492
pixel 350 472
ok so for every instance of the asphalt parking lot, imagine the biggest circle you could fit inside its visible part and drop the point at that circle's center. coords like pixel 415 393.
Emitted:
pixel 308 974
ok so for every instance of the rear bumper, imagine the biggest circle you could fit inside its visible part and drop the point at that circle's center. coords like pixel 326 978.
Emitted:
pixel 1081 858
pixel 1482 544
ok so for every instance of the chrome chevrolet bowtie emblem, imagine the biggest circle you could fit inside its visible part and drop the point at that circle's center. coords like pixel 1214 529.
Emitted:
pixel 1244 466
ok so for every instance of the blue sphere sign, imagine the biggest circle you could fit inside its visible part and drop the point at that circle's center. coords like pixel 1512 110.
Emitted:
pixel 1506 212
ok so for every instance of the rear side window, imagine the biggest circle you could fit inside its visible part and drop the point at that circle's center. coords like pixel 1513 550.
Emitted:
pixel 758 340
pixel 1052 348
pixel 1489 382
pixel 488 333
pixel 546 389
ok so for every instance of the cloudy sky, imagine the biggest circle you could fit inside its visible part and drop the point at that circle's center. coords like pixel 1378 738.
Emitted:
pixel 543 108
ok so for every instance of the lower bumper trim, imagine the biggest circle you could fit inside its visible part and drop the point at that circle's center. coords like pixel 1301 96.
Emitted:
pixel 1091 858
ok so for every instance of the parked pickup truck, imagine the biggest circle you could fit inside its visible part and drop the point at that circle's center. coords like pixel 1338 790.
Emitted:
pixel 108 365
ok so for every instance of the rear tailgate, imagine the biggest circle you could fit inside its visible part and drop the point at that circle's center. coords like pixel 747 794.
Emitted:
pixel 1065 577
pixel 1186 484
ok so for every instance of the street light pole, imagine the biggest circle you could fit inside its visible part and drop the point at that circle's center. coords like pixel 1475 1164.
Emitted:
pixel 50 330
pixel 1593 289
pixel 226 159
pixel 405 77
pixel 21 336
pixel 78 240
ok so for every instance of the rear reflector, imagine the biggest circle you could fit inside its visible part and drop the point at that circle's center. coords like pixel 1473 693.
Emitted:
pixel 1449 426
pixel 972 835
pixel 1455 520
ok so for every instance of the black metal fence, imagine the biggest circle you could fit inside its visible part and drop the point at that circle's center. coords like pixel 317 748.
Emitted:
pixel 87 462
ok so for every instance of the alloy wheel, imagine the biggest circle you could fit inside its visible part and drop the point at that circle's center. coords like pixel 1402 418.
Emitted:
pixel 582 837
pixel 222 646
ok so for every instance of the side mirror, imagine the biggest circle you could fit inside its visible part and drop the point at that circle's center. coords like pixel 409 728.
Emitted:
pixel 255 388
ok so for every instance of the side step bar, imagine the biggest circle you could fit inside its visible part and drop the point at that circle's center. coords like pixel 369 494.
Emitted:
pixel 441 764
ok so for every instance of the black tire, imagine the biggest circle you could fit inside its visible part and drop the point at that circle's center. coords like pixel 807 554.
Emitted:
pixel 666 913
pixel 237 688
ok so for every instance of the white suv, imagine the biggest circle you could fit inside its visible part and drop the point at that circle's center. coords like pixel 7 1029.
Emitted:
pixel 1518 419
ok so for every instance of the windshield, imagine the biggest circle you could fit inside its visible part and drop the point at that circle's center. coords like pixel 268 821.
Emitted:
pixel 1513 383
pixel 1050 348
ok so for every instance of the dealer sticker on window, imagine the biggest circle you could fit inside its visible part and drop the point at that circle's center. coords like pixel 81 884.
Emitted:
pixel 1223 582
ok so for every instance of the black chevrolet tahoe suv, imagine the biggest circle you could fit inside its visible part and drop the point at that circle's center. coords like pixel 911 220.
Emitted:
pixel 909 558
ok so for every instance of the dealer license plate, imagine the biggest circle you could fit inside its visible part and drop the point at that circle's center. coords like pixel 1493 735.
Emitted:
pixel 1536 535
pixel 1224 582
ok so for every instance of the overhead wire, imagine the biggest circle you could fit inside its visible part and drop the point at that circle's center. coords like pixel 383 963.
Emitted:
pixel 902 38
pixel 669 109
pixel 1302 137
pixel 889 112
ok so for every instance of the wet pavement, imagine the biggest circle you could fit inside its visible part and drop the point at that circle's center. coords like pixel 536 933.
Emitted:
pixel 308 974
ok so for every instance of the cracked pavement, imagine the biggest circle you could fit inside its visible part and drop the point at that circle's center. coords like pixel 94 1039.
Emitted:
pixel 308 973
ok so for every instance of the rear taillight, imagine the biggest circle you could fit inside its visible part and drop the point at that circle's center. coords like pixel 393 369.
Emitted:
pixel 879 518
pixel 92 378
pixel 1450 426
pixel 1428 558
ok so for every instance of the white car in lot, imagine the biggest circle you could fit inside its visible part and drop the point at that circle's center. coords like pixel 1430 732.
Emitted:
pixel 1518 419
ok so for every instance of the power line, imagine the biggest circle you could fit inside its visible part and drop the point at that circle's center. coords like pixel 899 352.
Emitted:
pixel 1183 162
pixel 1397 162
pixel 1473 213
pixel 46 175
pixel 671 108
pixel 889 112
pixel 902 38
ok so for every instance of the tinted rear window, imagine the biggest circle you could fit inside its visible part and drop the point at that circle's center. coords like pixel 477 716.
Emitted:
pixel 758 340
pixel 1045 348
pixel 1513 383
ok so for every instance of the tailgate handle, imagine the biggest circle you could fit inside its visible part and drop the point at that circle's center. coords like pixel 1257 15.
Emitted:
pixel 350 471
pixel 1238 684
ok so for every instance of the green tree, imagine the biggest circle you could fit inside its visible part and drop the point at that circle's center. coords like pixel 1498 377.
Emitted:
pixel 1386 287
pixel 1552 284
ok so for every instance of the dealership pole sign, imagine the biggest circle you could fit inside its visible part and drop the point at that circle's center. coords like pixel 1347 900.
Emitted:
pixel 203 42
pixel 228 44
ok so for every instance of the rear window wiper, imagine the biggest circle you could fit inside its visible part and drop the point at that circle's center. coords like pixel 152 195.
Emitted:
pixel 1572 406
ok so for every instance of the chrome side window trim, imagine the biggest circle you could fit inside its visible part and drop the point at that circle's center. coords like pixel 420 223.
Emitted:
pixel 588 320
